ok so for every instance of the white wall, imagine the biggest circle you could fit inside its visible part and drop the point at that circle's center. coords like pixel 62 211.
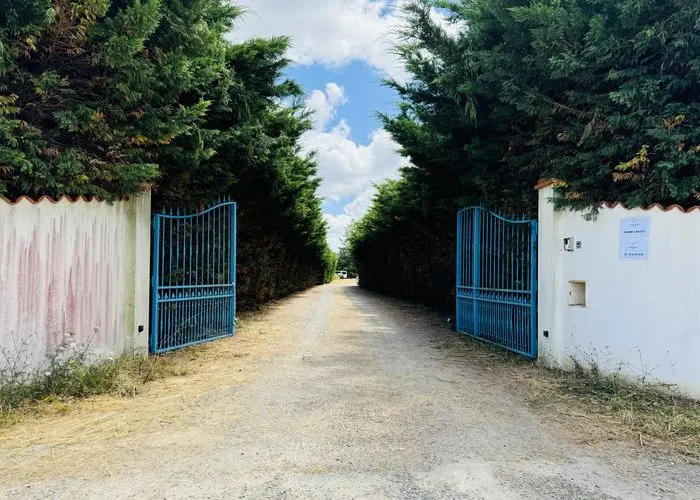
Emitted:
pixel 642 316
pixel 74 271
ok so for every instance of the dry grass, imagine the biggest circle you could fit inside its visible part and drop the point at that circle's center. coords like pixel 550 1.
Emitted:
pixel 649 415
pixel 153 397
pixel 173 400
pixel 72 383
pixel 595 408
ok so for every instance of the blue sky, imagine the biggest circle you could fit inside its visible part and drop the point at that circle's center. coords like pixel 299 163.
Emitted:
pixel 365 97
pixel 363 86
pixel 341 49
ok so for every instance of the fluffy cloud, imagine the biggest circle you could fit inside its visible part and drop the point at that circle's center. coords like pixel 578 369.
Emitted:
pixel 347 169
pixel 333 32
pixel 325 104
pixel 337 225
pixel 451 28
pixel 330 32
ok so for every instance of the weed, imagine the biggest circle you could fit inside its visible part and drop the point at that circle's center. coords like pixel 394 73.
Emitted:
pixel 72 372
pixel 653 415
pixel 647 411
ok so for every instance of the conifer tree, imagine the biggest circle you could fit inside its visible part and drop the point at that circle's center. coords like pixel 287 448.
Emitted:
pixel 602 96
pixel 110 97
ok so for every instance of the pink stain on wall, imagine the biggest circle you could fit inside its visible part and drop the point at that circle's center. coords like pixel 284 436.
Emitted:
pixel 66 274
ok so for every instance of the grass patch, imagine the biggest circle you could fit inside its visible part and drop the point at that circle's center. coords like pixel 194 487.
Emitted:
pixel 594 405
pixel 67 377
pixel 649 414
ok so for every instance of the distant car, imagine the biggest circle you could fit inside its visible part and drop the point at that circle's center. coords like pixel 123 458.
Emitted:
pixel 342 275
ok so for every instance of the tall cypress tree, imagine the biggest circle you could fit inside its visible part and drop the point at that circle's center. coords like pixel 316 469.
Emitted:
pixel 109 97
pixel 603 96
pixel 71 126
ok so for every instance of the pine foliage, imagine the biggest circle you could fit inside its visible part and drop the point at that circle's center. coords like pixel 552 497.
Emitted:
pixel 111 97
pixel 603 96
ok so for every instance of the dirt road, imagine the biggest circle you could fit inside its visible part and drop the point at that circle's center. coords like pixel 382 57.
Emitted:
pixel 334 393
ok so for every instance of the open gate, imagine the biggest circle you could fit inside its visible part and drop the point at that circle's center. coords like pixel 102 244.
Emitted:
pixel 497 279
pixel 193 277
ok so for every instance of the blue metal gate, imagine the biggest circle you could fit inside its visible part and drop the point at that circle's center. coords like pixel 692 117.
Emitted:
pixel 497 279
pixel 193 277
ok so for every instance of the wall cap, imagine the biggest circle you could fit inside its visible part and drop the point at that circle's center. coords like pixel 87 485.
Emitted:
pixel 543 183
pixel 668 208
pixel 65 198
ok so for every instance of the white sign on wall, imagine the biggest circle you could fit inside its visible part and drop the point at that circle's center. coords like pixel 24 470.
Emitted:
pixel 634 249
pixel 634 227
pixel 634 238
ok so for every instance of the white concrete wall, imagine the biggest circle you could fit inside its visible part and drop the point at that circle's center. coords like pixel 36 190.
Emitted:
pixel 74 271
pixel 642 317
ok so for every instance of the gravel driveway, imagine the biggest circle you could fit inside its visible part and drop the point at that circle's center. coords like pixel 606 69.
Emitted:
pixel 334 393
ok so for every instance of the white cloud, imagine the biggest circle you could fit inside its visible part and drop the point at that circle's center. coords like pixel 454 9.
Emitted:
pixel 334 32
pixel 330 32
pixel 337 225
pixel 325 104
pixel 347 169
pixel 358 207
pixel 451 28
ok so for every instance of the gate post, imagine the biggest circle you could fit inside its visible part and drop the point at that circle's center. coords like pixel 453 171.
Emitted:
pixel 476 269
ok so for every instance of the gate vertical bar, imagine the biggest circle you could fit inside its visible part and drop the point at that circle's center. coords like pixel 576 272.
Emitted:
pixel 477 269
pixel 197 281
pixel 167 319
pixel 460 250
pixel 154 284
pixel 533 289
pixel 216 258
pixel 193 304
pixel 232 268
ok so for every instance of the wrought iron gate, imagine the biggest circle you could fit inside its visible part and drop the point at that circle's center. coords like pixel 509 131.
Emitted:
pixel 193 277
pixel 497 279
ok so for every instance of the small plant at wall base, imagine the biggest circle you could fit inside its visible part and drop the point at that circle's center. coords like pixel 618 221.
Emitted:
pixel 73 372
pixel 68 372
pixel 649 411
